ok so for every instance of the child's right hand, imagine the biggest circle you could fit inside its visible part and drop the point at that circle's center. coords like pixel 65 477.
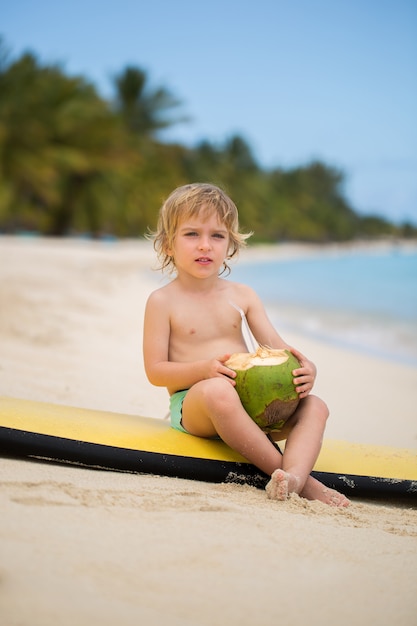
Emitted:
pixel 217 368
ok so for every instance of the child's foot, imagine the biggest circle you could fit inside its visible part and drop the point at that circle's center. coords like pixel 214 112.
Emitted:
pixel 333 498
pixel 336 499
pixel 281 485
pixel 315 490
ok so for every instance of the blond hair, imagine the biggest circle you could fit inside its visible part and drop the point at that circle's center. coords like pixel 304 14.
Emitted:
pixel 189 201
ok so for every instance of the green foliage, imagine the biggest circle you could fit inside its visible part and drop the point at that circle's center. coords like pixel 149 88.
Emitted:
pixel 142 110
pixel 310 205
pixel 59 140
pixel 71 162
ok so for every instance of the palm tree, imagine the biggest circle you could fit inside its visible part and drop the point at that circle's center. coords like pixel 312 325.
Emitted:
pixel 59 142
pixel 143 110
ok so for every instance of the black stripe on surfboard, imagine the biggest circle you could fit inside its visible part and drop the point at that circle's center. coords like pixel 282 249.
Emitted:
pixel 15 442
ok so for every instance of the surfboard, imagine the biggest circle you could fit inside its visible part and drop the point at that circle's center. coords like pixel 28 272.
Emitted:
pixel 115 441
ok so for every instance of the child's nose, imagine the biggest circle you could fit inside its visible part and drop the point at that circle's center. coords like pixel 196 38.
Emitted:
pixel 204 243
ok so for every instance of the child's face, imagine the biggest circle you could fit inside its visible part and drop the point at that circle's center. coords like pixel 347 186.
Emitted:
pixel 200 245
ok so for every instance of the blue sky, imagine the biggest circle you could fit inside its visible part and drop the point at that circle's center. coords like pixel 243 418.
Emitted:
pixel 334 80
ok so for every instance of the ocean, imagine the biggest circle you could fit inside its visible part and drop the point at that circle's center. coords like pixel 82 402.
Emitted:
pixel 365 300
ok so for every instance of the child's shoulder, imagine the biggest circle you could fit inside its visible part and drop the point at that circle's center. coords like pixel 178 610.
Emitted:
pixel 242 295
pixel 242 289
pixel 162 293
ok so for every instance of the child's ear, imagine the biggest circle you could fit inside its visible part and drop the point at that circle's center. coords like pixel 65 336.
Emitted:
pixel 167 250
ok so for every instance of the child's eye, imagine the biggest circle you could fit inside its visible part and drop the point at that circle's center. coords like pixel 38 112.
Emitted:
pixel 219 235
pixel 191 234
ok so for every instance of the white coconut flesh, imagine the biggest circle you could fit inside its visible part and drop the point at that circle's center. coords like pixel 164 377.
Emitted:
pixel 262 357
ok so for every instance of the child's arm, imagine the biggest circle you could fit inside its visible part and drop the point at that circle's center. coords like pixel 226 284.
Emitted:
pixel 266 335
pixel 159 369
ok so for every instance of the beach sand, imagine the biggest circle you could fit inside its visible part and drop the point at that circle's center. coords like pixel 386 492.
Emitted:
pixel 86 547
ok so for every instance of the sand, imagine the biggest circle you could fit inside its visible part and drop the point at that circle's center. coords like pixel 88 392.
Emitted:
pixel 81 546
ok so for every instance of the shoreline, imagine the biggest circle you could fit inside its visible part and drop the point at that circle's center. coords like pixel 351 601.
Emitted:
pixel 335 335
pixel 343 322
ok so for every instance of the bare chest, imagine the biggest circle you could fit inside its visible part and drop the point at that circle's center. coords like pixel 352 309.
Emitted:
pixel 204 327
pixel 204 322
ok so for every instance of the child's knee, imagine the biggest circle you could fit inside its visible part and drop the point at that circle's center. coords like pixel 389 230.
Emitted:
pixel 318 406
pixel 217 391
pixel 322 408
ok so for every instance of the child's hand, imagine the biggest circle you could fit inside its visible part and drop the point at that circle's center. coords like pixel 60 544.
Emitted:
pixel 217 367
pixel 305 375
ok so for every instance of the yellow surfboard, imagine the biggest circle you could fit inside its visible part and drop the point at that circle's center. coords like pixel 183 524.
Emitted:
pixel 139 444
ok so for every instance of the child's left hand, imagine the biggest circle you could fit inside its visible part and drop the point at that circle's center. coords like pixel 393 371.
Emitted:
pixel 305 375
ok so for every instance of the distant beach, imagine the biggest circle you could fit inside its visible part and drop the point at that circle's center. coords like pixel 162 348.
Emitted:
pixel 86 546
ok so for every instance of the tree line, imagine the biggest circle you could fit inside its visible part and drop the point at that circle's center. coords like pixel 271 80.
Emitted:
pixel 72 162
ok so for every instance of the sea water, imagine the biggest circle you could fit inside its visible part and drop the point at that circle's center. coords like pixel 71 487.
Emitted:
pixel 363 300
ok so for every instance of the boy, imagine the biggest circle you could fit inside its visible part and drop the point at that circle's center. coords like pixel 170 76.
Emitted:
pixel 190 330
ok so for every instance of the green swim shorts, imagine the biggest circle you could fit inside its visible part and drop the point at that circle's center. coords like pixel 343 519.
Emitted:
pixel 175 408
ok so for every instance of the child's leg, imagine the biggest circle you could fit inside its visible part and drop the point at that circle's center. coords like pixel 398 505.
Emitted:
pixel 213 407
pixel 304 434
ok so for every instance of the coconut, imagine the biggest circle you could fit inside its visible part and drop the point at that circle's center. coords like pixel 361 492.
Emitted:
pixel 264 382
